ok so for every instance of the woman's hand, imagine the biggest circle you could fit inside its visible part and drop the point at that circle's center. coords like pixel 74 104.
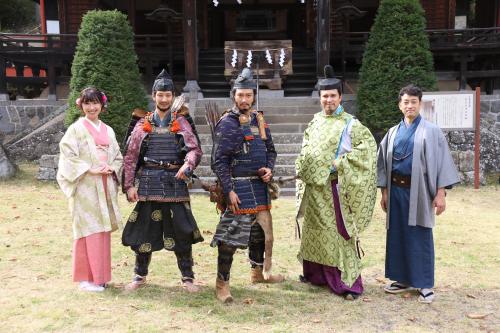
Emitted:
pixel 101 170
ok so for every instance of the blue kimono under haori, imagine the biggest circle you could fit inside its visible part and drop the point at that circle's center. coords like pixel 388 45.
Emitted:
pixel 410 249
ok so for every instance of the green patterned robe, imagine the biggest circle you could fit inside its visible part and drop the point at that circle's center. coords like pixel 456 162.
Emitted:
pixel 321 243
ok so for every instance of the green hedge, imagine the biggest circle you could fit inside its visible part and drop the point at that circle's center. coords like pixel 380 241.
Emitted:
pixel 397 53
pixel 105 58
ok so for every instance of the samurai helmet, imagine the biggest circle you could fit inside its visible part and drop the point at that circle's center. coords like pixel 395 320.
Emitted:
pixel 163 82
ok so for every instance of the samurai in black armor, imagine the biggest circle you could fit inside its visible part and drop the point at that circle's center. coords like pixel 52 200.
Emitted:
pixel 162 151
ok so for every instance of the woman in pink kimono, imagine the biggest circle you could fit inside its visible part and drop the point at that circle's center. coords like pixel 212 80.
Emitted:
pixel 89 169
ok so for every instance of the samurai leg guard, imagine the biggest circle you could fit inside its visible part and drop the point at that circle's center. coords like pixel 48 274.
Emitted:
pixel 185 264
pixel 142 261
pixel 256 246
pixel 224 261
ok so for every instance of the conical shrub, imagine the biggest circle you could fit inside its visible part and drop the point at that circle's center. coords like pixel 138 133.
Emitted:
pixel 105 58
pixel 397 53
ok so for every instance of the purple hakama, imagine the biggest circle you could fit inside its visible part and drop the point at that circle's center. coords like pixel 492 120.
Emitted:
pixel 320 275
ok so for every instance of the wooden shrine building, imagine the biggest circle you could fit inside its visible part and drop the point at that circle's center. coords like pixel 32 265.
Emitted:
pixel 203 42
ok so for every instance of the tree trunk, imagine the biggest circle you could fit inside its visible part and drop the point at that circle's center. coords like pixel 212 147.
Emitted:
pixel 7 168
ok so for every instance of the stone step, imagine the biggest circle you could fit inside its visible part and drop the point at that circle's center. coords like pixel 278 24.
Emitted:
pixel 282 159
pixel 212 75
pixel 275 128
pixel 279 170
pixel 271 119
pixel 278 138
pixel 215 84
pixel 272 111
pixel 266 102
pixel 281 148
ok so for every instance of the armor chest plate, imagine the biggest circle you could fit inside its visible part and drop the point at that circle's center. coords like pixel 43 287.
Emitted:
pixel 252 155
pixel 164 146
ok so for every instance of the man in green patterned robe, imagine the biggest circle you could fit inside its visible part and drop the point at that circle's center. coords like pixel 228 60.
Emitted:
pixel 336 193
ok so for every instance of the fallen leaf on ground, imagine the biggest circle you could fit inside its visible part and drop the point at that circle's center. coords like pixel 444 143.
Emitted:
pixel 248 301
pixel 478 315
pixel 407 295
pixel 207 232
pixel 366 299
pixel 317 321
pixel 13 259
pixel 17 217
pixel 412 319
pixel 40 277
pixel 174 327
pixel 471 296
pixel 210 311
pixel 380 279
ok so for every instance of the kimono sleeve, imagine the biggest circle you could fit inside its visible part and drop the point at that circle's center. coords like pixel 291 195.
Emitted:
pixel 446 170
pixel 72 165
pixel 357 180
pixel 382 162
pixel 117 158
pixel 305 143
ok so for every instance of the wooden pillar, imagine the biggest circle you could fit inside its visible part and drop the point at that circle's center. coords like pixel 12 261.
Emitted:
pixel 322 35
pixel 205 25
pixel 19 80
pixel 4 96
pixel 463 69
pixel 452 9
pixel 43 19
pixel 190 47
pixel 51 72
pixel 497 4
pixel 131 13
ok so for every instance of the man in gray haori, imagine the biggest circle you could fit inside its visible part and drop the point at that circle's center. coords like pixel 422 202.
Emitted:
pixel 414 168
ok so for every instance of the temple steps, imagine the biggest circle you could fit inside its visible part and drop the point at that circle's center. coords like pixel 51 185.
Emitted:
pixel 287 118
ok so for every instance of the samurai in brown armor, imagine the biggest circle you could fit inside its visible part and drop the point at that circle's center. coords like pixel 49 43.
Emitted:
pixel 243 159
pixel 162 151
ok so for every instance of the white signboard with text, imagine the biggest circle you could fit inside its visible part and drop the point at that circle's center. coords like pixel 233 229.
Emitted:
pixel 452 110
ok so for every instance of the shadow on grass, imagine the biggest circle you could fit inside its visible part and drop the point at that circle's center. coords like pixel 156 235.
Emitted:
pixel 251 303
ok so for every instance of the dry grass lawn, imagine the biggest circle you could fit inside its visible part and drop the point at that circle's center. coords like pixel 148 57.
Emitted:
pixel 37 292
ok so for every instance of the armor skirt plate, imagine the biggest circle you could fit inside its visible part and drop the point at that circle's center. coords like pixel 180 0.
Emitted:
pixel 153 226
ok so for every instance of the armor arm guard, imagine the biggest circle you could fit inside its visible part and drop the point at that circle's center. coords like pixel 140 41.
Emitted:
pixel 228 139
pixel 270 150
pixel 131 158
pixel 190 144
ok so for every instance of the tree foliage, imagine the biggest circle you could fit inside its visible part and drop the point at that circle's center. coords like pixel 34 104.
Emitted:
pixel 17 15
pixel 397 54
pixel 105 59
